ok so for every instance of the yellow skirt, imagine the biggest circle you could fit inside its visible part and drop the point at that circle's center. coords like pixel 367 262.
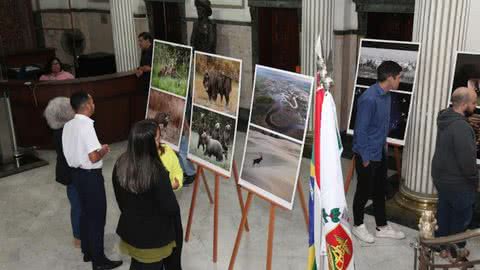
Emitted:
pixel 150 255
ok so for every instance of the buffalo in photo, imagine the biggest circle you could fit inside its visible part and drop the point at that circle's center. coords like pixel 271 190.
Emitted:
pixel 215 84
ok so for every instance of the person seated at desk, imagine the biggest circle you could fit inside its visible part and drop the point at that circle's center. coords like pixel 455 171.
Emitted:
pixel 54 71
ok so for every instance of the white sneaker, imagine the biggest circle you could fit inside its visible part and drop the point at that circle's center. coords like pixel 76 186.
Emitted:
pixel 388 232
pixel 362 233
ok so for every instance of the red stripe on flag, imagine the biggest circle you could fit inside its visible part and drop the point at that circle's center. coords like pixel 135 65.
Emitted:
pixel 317 120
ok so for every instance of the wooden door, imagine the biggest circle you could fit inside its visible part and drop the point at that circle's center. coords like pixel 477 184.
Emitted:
pixel 167 21
pixel 390 26
pixel 279 38
pixel 16 26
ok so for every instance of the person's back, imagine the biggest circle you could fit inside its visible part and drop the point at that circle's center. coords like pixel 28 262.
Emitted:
pixel 454 160
pixel 146 219
pixel 84 153
pixel 150 224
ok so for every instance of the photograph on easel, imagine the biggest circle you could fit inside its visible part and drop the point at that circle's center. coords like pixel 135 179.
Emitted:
pixel 168 111
pixel 216 82
pixel 374 52
pixel 371 54
pixel 212 138
pixel 276 134
pixel 270 164
pixel 171 67
pixel 169 82
pixel 280 102
pixel 399 110
pixel 467 73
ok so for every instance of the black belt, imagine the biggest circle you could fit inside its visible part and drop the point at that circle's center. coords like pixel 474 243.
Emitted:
pixel 87 170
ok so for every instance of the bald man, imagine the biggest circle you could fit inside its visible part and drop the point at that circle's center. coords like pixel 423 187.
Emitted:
pixel 454 168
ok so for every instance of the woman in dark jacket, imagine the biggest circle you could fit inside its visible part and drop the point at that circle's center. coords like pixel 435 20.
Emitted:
pixel 150 226
pixel 58 112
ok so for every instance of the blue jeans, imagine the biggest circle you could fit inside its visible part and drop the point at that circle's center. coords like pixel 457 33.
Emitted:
pixel 186 165
pixel 454 211
pixel 75 210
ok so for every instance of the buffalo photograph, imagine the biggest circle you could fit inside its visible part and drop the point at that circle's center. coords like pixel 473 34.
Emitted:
pixel 212 137
pixel 217 82
pixel 168 111
pixel 281 101
pixel 171 67
pixel 270 166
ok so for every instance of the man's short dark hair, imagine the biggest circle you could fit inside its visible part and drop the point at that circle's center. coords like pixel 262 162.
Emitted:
pixel 146 36
pixel 77 99
pixel 387 69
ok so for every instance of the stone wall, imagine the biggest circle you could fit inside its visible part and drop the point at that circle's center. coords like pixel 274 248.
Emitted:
pixel 95 25
pixel 235 40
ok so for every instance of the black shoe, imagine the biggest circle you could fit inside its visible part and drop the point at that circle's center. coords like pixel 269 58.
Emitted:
pixel 107 264
pixel 87 258
pixel 188 179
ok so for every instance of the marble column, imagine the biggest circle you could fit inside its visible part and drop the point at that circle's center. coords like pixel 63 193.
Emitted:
pixel 317 19
pixel 124 36
pixel 440 27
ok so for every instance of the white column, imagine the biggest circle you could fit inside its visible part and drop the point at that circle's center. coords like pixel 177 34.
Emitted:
pixel 440 27
pixel 317 19
pixel 124 36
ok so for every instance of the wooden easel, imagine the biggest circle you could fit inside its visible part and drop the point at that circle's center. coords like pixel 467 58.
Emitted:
pixel 200 171
pixel 271 229
pixel 398 165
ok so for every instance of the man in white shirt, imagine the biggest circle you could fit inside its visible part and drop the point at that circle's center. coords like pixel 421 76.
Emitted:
pixel 84 155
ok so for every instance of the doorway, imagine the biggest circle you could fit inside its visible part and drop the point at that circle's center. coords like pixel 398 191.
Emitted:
pixel 279 37
pixel 167 23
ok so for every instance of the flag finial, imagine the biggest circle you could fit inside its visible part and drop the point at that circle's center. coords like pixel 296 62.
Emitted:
pixel 322 74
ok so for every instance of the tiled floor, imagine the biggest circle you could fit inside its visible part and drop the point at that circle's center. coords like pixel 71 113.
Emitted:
pixel 35 227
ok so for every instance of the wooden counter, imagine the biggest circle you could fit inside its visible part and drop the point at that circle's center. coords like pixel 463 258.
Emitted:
pixel 118 104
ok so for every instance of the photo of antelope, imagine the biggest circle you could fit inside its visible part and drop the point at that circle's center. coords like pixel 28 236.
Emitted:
pixel 281 101
pixel 168 111
pixel 271 165
pixel 171 67
pixel 217 82
pixel 212 138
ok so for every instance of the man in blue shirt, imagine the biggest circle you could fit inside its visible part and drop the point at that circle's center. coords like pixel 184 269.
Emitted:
pixel 369 144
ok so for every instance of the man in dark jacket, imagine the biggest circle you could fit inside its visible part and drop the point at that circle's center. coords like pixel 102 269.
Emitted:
pixel 454 168
pixel 145 43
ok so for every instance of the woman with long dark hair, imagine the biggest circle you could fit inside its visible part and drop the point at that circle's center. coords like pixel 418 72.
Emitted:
pixel 150 226
pixel 54 71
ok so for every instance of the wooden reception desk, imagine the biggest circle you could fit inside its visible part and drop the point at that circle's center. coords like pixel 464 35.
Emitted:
pixel 118 104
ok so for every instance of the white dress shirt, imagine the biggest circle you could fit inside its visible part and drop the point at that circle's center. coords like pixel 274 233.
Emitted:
pixel 78 140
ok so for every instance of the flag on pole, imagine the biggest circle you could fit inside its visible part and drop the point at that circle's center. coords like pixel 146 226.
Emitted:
pixel 330 241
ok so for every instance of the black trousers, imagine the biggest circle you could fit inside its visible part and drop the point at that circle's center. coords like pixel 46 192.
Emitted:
pixel 371 182
pixel 91 190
